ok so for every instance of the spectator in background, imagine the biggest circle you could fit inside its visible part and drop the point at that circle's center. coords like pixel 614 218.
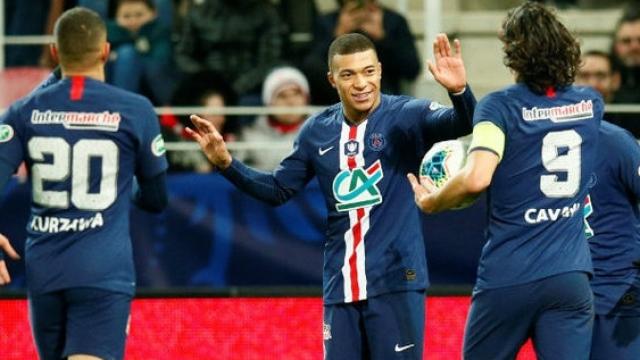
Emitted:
pixel 141 50
pixel 284 86
pixel 30 17
pixel 241 39
pixel 387 29
pixel 626 49
pixel 200 89
pixel 596 70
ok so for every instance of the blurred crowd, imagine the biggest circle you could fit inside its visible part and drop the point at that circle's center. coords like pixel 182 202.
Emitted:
pixel 219 53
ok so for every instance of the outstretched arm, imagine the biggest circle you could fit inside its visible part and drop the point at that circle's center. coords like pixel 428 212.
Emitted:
pixel 273 188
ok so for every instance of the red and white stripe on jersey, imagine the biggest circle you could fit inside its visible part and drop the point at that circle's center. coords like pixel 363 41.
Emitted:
pixel 353 268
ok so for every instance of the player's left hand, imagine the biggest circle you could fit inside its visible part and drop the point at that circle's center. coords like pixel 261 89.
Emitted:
pixel 424 194
pixel 448 67
pixel 210 141
pixel 6 247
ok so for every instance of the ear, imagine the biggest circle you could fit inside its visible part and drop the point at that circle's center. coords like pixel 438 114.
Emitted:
pixel 54 53
pixel 379 68
pixel 331 80
pixel 106 49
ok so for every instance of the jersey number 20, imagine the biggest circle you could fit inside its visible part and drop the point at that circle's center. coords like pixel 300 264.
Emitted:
pixel 74 161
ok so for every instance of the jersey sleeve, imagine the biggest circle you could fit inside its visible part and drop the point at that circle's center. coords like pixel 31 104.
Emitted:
pixel 290 177
pixel 151 159
pixel 629 168
pixel 487 136
pixel 435 122
pixel 11 149
pixel 491 109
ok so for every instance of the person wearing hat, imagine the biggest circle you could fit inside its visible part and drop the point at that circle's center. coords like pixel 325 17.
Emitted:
pixel 283 87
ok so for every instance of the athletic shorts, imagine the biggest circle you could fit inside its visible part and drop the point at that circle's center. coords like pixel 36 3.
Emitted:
pixel 88 321
pixel 388 326
pixel 555 312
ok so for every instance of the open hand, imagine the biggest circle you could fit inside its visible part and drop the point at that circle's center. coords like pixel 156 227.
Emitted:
pixel 211 142
pixel 448 68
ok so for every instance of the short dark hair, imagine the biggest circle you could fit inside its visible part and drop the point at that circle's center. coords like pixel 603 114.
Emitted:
pixel 349 44
pixel 601 54
pixel 79 34
pixel 539 48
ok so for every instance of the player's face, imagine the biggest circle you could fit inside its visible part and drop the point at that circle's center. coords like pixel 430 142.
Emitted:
pixel 356 77
pixel 133 15
pixel 596 72
pixel 627 44
pixel 290 95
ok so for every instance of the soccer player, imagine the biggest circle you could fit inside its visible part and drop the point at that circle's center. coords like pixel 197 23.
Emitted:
pixel 83 142
pixel 612 224
pixel 533 148
pixel 375 270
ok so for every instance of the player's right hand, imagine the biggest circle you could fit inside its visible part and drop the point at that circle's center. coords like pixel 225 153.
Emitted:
pixel 211 142
pixel 6 247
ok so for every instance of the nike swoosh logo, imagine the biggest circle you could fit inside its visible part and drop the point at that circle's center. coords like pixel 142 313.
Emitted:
pixel 403 348
pixel 322 151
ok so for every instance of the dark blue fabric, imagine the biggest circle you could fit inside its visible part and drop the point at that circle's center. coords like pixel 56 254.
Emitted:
pixel 556 313
pixel 389 326
pixel 80 321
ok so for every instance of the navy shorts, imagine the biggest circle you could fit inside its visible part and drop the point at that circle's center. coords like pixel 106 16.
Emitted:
pixel 388 326
pixel 616 337
pixel 80 321
pixel 555 312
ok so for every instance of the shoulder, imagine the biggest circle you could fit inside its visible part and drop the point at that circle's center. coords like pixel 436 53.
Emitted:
pixel 404 103
pixel 613 136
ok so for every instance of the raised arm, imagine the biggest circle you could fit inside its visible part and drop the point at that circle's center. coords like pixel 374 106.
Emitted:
pixel 448 69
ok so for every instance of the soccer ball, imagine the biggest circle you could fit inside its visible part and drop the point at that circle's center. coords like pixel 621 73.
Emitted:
pixel 442 162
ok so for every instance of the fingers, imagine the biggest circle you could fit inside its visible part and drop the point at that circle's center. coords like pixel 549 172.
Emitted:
pixel 4 274
pixel 445 44
pixel 205 127
pixel 417 188
pixel 5 245
pixel 458 48
pixel 193 134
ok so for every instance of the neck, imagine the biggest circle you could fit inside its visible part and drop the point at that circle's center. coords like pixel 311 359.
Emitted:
pixel 96 73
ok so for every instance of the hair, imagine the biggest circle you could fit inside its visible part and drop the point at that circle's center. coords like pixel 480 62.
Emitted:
pixel 349 44
pixel 631 14
pixel 149 3
pixel 79 35
pixel 539 48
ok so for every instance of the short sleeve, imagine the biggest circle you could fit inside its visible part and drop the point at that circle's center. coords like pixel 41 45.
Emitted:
pixel 151 159
pixel 492 109
pixel 11 149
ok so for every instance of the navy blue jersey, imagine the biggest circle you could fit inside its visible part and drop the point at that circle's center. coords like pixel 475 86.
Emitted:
pixel 375 243
pixel 612 217
pixel 537 190
pixel 83 141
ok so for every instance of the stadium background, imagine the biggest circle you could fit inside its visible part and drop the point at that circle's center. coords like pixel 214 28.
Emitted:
pixel 222 276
